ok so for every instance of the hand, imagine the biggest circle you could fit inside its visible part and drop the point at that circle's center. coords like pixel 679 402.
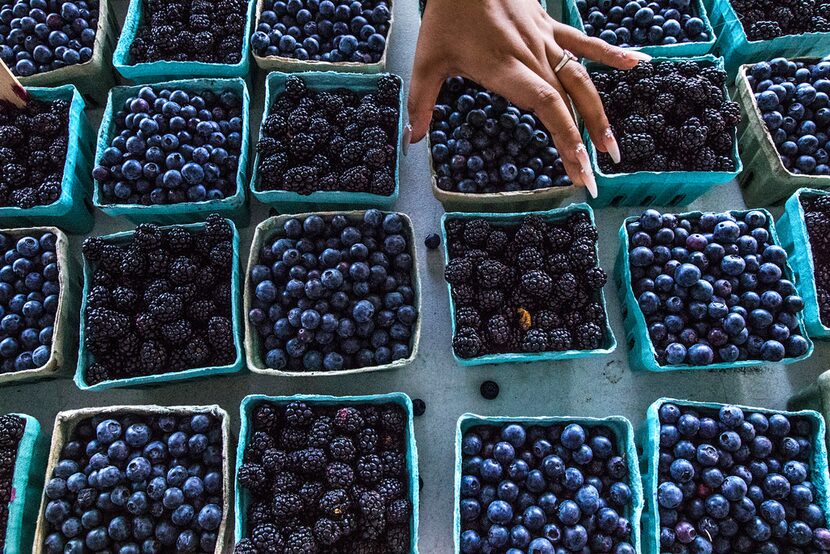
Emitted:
pixel 511 47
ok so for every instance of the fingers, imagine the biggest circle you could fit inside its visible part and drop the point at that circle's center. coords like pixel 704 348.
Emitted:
pixel 424 87
pixel 596 49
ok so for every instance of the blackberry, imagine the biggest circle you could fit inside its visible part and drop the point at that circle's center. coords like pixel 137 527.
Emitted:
pixel 596 278
pixel 588 336
pixel 636 147
pixel 398 512
pixel 467 317
pixel 11 430
pixel 536 340
pixel 285 482
pixel 287 505
pixel 356 179
pixel 397 539
pixel 196 352
pixel 339 475
pixel 392 419
pixel 327 531
pixel 367 440
pixel 342 449
pixel 498 329
pixel 267 538
pixel 166 307
pixel 105 323
pixel 496 242
pixel 582 255
pixel 559 237
pixel 559 339
pixel 348 420
pixel 153 357
pixel 466 342
pixel 476 232
pixel 565 287
pixel 458 271
pixel 245 546
pixel 390 489
pixel 335 503
pixel 252 477
pixel 537 283
pixel 530 258
pixel 764 30
pixel 301 541
pixel 370 469
pixel 490 273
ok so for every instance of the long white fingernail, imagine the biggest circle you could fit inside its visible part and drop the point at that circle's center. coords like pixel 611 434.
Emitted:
pixel 611 145
pixel 407 135
pixel 636 54
pixel 585 170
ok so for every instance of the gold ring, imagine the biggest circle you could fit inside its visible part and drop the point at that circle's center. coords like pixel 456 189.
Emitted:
pixel 566 57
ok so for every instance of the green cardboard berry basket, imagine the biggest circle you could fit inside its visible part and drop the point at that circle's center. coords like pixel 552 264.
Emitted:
pixel 287 201
pixel 152 72
pixel 500 220
pixel 641 354
pixel 85 358
pixel 624 442
pixel 65 423
pixel 293 65
pixel 71 211
pixel 66 318
pixel 271 229
pixel 94 77
pixel 249 403
pixel 26 486
pixel 766 181
pixel 794 237
pixel 813 397
pixel 659 188
pixel 680 49
pixel 233 207
pixel 650 441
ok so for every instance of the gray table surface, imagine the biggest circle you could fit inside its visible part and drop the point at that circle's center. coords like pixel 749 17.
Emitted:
pixel 590 387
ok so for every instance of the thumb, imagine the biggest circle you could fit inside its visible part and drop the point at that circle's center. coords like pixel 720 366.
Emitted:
pixel 423 91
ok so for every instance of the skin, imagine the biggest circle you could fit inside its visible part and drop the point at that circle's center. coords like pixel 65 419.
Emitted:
pixel 511 47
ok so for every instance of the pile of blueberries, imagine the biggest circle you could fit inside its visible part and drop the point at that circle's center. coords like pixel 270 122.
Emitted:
pixel 324 30
pixel 136 483
pixel 480 143
pixel 37 36
pixel 11 431
pixel 627 23
pixel 29 291
pixel 172 146
pixel 731 481
pixel 817 220
pixel 794 99
pixel 544 490
pixel 332 293
pixel 714 288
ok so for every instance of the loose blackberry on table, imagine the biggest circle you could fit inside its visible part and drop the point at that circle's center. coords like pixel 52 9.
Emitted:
pixel 769 19
pixel 817 220
pixel 736 481
pixel 43 35
pixel 544 489
pixel 159 302
pixel 480 143
pixel 29 292
pixel 794 99
pixel 331 140
pixel 327 31
pixel 529 287
pixel 146 483
pixel 11 431
pixel 632 23
pixel 668 116
pixel 172 146
pixel 713 288
pixel 317 485
pixel 331 293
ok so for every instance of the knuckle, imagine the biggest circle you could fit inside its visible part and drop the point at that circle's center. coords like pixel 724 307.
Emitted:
pixel 546 95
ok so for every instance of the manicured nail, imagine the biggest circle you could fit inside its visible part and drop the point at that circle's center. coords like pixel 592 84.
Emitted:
pixel 612 146
pixel 637 55
pixel 585 170
pixel 407 136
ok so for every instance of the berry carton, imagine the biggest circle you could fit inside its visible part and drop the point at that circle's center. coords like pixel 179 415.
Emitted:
pixel 26 486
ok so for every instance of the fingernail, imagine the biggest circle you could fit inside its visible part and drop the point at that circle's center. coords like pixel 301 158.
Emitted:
pixel 612 146
pixel 585 170
pixel 407 136
pixel 637 55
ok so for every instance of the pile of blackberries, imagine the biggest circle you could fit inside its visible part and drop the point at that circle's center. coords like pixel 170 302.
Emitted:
pixel 532 287
pixel 483 144
pixel 817 220
pixel 171 146
pixel 731 481
pixel 333 140
pixel 794 99
pixel 11 431
pixel 326 478
pixel 331 293
pixel 161 302
pixel 33 143
pixel 668 116
pixel 768 19
pixel 628 23
pixel 327 30
pixel 29 292
pixel 208 31
pixel 714 288
pixel 37 36
pixel 544 490
pixel 135 483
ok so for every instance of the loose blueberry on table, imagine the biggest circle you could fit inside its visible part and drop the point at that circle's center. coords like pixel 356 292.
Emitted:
pixel 668 116
pixel 332 140
pixel 632 23
pixel 817 220
pixel 531 287
pixel 11 431
pixel 210 31
pixel 33 142
pixel 731 481
pixel 172 146
pixel 326 479
pixel 38 36
pixel 332 293
pixel 160 302
pixel 137 483
pixel 794 99
pixel 483 144
pixel 29 292
pixel 768 19
pixel 544 490
pixel 327 31
pixel 713 288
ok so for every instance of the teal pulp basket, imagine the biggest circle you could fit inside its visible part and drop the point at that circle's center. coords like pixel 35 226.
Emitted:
pixel 85 358
pixel 500 220
pixel 27 480
pixel 233 207
pixel 242 497
pixel 641 354
pixel 290 202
